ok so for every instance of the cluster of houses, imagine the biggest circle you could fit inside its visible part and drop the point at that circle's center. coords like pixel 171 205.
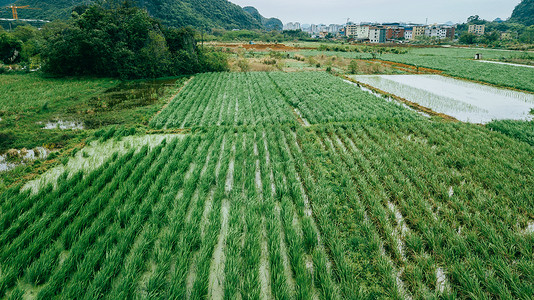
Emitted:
pixel 388 32
pixel 378 33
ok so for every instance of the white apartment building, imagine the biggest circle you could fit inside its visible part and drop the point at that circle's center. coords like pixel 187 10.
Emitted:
pixel 436 32
pixel 360 32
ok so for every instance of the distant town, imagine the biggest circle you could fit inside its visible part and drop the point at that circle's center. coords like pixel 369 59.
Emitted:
pixel 384 32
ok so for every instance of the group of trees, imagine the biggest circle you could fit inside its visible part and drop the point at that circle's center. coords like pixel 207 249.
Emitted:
pixel 113 41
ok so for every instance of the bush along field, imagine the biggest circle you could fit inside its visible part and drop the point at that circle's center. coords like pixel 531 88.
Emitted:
pixel 286 186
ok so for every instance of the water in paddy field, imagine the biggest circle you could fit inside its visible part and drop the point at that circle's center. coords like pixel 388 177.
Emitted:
pixel 466 101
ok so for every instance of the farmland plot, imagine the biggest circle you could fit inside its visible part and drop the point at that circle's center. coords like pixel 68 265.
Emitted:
pixel 322 97
pixel 218 214
pixel 422 213
pixel 466 101
pixel 225 99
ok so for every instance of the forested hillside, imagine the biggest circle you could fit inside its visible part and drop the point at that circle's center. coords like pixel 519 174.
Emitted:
pixel 524 13
pixel 195 13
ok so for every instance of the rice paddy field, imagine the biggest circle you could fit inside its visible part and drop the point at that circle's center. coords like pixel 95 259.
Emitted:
pixel 466 101
pixel 279 186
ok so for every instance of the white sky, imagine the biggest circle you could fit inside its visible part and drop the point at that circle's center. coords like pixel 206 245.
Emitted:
pixel 337 11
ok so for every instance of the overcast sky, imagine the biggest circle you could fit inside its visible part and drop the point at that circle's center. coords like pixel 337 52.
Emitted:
pixel 337 11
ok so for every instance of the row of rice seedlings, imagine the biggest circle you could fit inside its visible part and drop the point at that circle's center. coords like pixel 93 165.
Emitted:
pixel 328 204
pixel 312 236
pixel 158 283
pixel 108 218
pixel 304 288
pixel 125 283
pixel 236 223
pixel 216 221
pixel 189 242
pixel 103 259
pixel 56 216
pixel 306 230
pixel 281 277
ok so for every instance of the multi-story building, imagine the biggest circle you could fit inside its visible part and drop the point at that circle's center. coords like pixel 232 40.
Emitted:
pixel 351 30
pixel 477 29
pixel 377 35
pixel 418 31
pixel 362 32
pixel 435 31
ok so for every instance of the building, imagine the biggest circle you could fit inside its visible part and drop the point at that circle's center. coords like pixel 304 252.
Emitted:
pixel 435 31
pixel 418 31
pixel 408 33
pixel 292 26
pixel 394 33
pixel 351 30
pixel 362 32
pixel 477 29
pixel 377 35
pixel 451 32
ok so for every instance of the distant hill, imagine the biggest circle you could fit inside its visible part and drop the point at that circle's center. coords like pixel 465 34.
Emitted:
pixel 177 13
pixel 524 13
pixel 269 24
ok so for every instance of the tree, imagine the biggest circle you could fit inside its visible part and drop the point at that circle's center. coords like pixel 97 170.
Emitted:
pixel 120 41
pixel 10 48
pixel 468 38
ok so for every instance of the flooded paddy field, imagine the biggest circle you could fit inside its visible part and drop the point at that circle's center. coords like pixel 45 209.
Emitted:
pixel 465 101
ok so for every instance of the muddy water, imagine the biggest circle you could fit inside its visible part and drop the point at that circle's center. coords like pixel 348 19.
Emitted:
pixel 466 101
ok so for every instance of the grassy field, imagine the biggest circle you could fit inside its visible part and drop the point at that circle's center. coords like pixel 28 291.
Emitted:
pixel 286 185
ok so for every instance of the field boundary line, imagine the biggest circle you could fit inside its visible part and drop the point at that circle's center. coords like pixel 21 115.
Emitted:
pixel 171 98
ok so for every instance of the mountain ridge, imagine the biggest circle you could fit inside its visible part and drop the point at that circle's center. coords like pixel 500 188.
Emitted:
pixel 194 13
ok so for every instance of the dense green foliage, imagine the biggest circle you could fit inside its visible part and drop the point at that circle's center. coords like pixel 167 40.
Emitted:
pixel 524 13
pixel 10 48
pixel 521 130
pixel 124 42
pixel 195 13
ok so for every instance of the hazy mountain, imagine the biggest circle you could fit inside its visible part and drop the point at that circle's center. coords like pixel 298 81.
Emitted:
pixel 269 24
pixel 524 13
pixel 178 13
